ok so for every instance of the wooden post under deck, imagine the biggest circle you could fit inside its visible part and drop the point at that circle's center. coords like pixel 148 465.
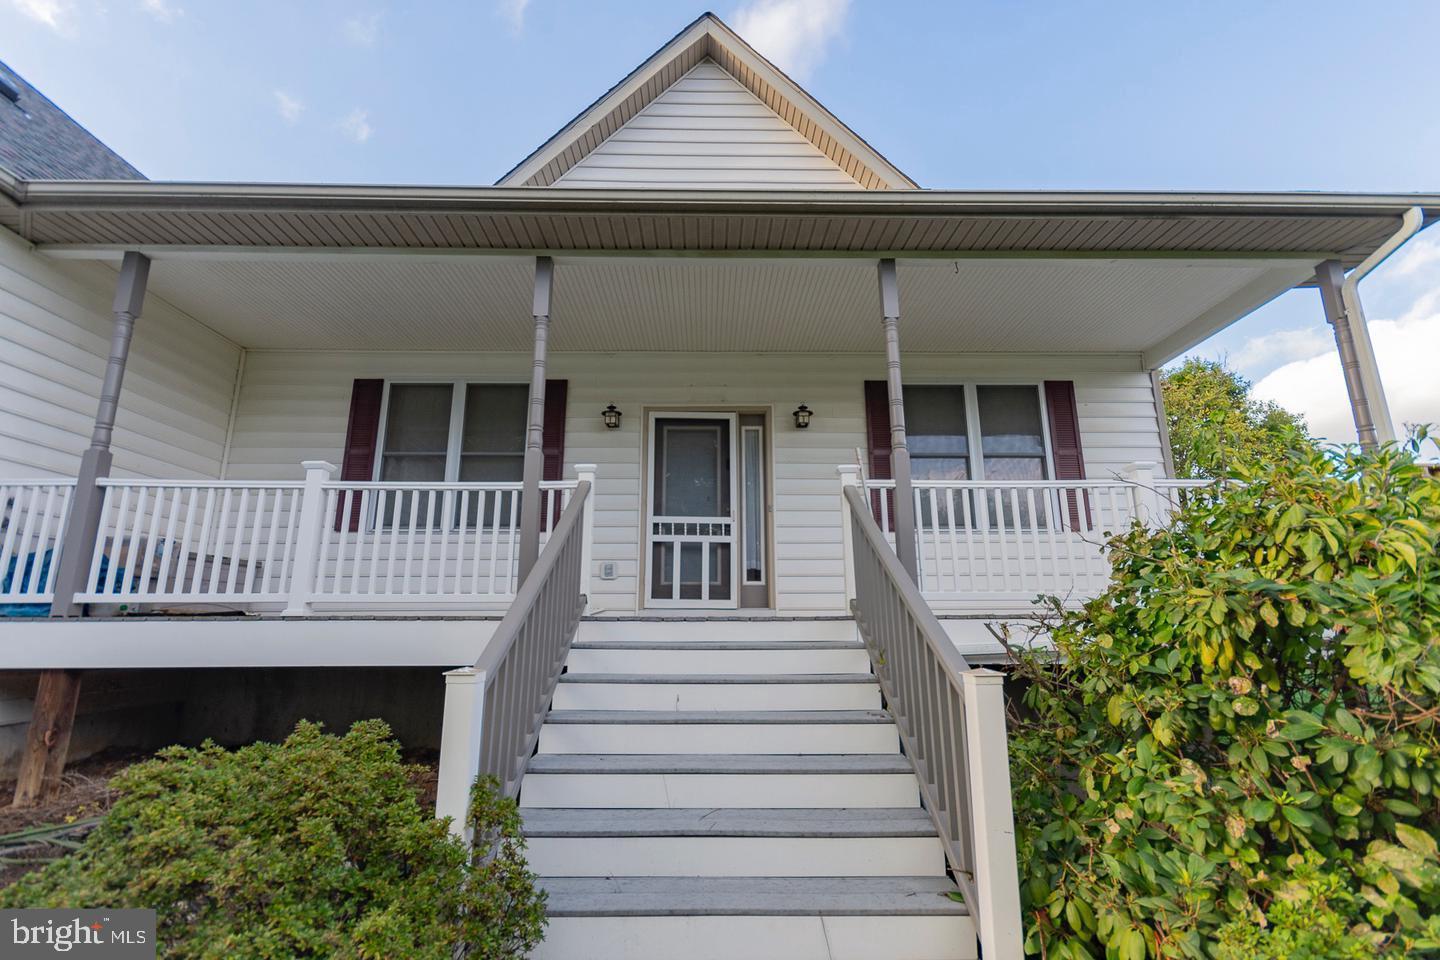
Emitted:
pixel 48 740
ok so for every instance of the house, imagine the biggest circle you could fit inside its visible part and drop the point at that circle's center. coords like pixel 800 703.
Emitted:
pixel 705 403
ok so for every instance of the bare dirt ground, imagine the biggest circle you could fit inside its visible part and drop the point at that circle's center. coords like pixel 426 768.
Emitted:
pixel 84 794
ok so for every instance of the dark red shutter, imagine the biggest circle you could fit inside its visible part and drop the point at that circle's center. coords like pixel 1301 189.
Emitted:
pixel 877 436
pixel 553 439
pixel 361 436
pixel 1065 440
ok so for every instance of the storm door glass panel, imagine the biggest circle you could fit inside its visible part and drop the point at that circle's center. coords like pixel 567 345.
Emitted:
pixel 417 439
pixel 692 475
pixel 1012 443
pixel 692 533
pixel 939 444
pixel 752 460
pixel 492 446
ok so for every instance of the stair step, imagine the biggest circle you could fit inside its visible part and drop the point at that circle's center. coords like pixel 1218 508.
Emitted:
pixel 751 937
pixel 627 691
pixel 698 763
pixel 653 781
pixel 719 645
pixel 669 659
pixel 729 731
pixel 729 856
pixel 729 822
pixel 748 717
pixel 750 896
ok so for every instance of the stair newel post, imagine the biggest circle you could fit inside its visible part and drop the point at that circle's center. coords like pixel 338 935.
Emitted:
pixel 460 736
pixel 992 816
pixel 309 531
pixel 585 473
pixel 849 477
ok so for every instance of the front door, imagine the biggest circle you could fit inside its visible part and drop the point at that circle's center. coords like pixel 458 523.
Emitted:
pixel 691 528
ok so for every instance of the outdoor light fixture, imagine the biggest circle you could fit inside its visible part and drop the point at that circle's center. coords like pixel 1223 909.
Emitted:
pixel 611 417
pixel 802 417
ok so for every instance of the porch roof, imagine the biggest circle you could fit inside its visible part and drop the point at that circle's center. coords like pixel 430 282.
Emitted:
pixel 309 266
pixel 94 215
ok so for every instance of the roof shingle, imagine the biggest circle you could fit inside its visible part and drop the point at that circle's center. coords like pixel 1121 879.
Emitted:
pixel 39 141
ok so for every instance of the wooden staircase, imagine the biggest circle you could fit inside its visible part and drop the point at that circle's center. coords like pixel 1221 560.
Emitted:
pixel 732 789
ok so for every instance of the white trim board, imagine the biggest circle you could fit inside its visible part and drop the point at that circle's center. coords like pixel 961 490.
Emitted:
pixel 101 644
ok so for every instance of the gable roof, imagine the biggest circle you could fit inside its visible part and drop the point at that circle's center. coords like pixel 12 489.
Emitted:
pixel 708 38
pixel 39 141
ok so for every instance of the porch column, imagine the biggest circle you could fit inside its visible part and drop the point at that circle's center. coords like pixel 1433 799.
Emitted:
pixel 58 693
pixel 530 505
pixel 1357 362
pixel 83 522
pixel 899 450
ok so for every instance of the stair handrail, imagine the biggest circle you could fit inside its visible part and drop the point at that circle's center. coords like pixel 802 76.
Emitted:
pixel 951 719
pixel 494 709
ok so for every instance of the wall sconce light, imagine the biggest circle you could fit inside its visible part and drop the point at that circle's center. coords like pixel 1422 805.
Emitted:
pixel 611 416
pixel 802 417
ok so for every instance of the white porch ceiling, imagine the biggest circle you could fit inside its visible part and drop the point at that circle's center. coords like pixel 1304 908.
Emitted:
pixel 458 302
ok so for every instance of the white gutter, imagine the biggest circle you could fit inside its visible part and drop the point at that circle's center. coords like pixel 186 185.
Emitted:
pixel 1410 224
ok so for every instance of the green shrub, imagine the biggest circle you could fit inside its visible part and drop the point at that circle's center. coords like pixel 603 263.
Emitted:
pixel 1250 707
pixel 315 847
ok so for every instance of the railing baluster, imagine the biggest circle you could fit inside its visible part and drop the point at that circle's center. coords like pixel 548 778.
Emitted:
pixel 22 576
pixel 241 512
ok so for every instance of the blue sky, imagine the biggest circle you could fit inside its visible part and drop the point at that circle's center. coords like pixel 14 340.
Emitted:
pixel 987 95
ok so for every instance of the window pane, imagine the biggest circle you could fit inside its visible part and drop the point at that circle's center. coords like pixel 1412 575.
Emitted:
pixel 418 419
pixel 492 468
pixel 935 421
pixel 1009 424
pixel 752 466
pixel 495 419
pixel 1014 468
pixel 939 468
pixel 422 468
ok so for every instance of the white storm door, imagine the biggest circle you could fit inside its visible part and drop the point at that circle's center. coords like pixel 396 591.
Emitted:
pixel 690 531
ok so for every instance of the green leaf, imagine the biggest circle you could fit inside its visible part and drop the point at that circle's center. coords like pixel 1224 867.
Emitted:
pixel 1300 725
pixel 1346 806
pixel 1417 840
pixel 1259 809
pixel 1246 706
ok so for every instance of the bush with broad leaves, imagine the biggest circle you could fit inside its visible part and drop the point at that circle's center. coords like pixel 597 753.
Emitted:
pixel 1241 735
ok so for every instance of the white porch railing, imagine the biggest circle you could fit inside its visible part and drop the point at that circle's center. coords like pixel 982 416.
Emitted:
pixel 297 545
pixel 32 518
pixel 989 541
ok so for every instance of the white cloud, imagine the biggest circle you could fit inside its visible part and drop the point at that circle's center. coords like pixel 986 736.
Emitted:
pixel 1419 254
pixel 53 13
pixel 161 10
pixel 793 34
pixel 356 125
pixel 1260 355
pixel 513 11
pixel 362 30
pixel 1405 350
pixel 288 107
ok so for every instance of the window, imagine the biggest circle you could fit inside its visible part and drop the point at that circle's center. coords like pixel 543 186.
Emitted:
pixel 447 432
pixel 939 422
pixel 1008 421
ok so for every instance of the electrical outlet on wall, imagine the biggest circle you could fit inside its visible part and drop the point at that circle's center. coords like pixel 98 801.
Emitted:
pixel 607 571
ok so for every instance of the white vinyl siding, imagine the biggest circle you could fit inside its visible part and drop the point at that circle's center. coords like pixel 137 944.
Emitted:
pixel 294 405
pixel 707 131
pixel 55 325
